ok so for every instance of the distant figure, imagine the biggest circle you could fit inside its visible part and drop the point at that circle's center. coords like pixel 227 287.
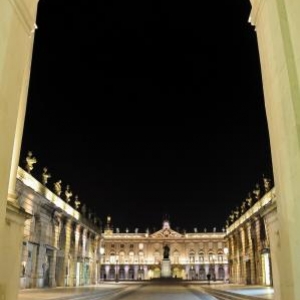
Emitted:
pixel 57 187
pixel 45 176
pixel 68 193
pixel 77 202
pixel 208 278
pixel 166 251
pixel 30 161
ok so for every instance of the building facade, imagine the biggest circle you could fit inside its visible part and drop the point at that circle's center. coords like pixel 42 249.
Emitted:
pixel 250 240
pixel 60 245
pixel 64 247
pixel 140 256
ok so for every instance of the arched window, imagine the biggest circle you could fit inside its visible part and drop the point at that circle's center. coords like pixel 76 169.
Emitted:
pixel 141 257
pixel 156 256
pixel 201 257
pixel 176 257
pixel 192 257
pixel 112 258
pixel 131 257
pixel 122 257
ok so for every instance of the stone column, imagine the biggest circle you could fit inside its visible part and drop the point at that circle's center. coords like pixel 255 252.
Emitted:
pixel 251 252
pixel 275 244
pixel 277 25
pixel 75 258
pixel 67 251
pixel 258 251
pixel 63 261
pixel 17 25
pixel 243 256
pixel 230 258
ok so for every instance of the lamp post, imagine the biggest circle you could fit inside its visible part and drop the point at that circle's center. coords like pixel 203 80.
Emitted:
pixel 101 252
pixel 226 251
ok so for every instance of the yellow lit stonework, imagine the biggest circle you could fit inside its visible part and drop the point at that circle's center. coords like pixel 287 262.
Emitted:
pixel 251 245
pixel 192 255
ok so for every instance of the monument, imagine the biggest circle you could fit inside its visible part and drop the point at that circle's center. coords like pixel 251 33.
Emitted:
pixel 166 263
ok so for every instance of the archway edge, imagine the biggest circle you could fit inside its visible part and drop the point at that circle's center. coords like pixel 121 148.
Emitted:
pixel 277 25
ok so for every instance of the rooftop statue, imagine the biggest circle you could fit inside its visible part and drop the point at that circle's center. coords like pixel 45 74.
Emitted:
pixel 30 161
pixel 237 212
pixel 267 184
pixel 77 202
pixel 249 200
pixel 45 176
pixel 68 193
pixel 57 187
pixel 83 209
pixel 256 192
pixel 243 207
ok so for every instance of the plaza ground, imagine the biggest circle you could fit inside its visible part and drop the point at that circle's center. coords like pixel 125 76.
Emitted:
pixel 110 290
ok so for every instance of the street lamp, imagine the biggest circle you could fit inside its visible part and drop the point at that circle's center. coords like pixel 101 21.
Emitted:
pixel 102 251
pixel 226 251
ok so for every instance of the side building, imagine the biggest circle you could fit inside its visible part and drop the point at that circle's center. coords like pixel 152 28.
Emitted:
pixel 165 253
pixel 251 239
pixel 60 245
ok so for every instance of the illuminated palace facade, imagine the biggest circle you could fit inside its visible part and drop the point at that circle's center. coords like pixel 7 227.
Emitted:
pixel 64 247
pixel 140 256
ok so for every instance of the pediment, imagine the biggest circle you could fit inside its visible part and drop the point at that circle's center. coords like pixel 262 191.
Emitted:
pixel 166 233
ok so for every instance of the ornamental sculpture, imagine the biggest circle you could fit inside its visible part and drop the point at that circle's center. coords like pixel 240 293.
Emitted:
pixel 30 161
pixel 267 184
pixel 77 202
pixel 68 193
pixel 45 176
pixel 57 187
pixel 256 192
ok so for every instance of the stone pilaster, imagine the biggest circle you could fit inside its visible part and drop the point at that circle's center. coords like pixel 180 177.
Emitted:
pixel 251 252
pixel 277 26
pixel 77 229
pixel 243 257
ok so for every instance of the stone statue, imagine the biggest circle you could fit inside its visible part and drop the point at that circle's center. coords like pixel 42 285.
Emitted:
pixel 83 209
pixel 45 176
pixel 57 187
pixel 236 212
pixel 90 214
pixel 30 161
pixel 267 184
pixel 249 200
pixel 227 223
pixel 256 192
pixel 68 193
pixel 243 207
pixel 77 202
pixel 231 217
pixel 166 251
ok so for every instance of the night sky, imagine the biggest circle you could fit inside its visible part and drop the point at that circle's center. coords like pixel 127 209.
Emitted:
pixel 147 108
